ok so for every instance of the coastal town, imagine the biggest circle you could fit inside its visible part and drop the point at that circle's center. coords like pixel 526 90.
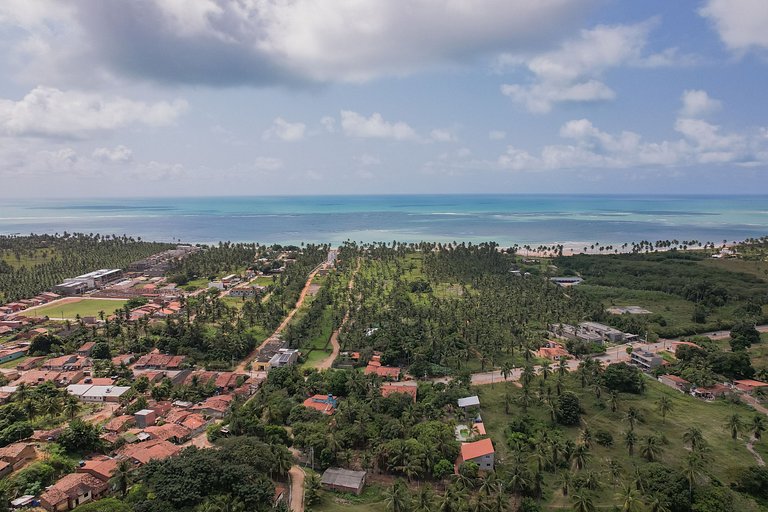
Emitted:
pixel 151 405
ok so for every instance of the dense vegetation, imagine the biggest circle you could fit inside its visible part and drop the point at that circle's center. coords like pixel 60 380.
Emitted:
pixel 32 264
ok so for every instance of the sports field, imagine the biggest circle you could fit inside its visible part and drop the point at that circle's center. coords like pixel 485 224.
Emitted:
pixel 70 308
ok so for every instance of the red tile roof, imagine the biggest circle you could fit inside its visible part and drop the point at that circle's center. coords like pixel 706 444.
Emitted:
pixel 408 387
pixel 477 449
pixel 156 449
pixel 383 371
pixel 320 403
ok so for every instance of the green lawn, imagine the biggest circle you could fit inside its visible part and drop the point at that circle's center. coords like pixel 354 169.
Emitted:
pixel 83 307
pixel 371 500
pixel 264 280
pixel 710 417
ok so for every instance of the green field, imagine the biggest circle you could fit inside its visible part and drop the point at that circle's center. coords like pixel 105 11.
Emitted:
pixel 83 307
pixel 28 258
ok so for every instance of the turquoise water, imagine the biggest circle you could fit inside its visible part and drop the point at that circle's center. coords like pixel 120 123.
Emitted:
pixel 506 219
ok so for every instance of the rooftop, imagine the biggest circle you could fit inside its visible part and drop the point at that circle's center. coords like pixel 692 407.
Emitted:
pixel 477 449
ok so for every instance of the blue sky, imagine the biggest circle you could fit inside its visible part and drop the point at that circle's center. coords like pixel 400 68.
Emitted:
pixel 250 97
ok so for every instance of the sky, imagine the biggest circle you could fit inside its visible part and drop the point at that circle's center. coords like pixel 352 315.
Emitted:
pixel 264 97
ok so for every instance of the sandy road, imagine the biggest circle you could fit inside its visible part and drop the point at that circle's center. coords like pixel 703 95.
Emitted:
pixel 297 475
pixel 326 363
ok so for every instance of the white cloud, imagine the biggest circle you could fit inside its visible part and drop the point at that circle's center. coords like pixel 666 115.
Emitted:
pixel 265 163
pixel 741 24
pixel 285 130
pixel 497 135
pixel 440 135
pixel 356 125
pixel 261 42
pixel 329 123
pixel 118 154
pixel 697 103
pixel 46 111
pixel 591 148
pixel 572 73
pixel 368 160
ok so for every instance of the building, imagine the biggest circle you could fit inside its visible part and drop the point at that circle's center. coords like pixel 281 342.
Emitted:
pixel 554 353
pixel 72 490
pixel 119 423
pixel 470 401
pixel 155 449
pixel 605 332
pixel 385 372
pixel 344 480
pixel 102 468
pixel 10 354
pixel 326 404
pixel 748 385
pixel 271 347
pixel 408 387
pixel 96 394
pixel 645 360
pixel 675 382
pixel 710 393
pixel 145 418
pixel 17 454
pixel 480 452
pixel 284 357
pixel 215 406
pixel 86 349
pixel 566 280
pixel 157 361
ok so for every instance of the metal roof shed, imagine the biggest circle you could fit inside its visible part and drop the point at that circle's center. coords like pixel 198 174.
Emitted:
pixel 344 480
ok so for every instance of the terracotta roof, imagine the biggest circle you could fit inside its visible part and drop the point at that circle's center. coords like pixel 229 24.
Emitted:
pixel 118 423
pixel 750 383
pixel 156 449
pixel 193 422
pixel 409 387
pixel 382 371
pixel 12 451
pixel 322 403
pixel 167 432
pixel 676 379
pixel 177 415
pixel 477 449
pixel 72 485
pixel 479 428
pixel 102 468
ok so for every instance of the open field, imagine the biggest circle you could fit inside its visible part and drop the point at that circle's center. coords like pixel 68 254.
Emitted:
pixel 710 417
pixel 756 268
pixel 371 500
pixel 27 259
pixel 83 307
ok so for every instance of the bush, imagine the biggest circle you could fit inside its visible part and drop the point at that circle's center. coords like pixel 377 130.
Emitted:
pixel 753 481
pixel 604 438
pixel 568 409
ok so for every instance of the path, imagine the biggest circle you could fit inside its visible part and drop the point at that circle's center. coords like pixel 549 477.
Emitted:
pixel 297 475
pixel 326 363
pixel 751 449
pixel 241 367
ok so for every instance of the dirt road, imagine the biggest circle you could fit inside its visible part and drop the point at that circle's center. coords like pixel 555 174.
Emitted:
pixel 297 488
pixel 241 367
pixel 326 363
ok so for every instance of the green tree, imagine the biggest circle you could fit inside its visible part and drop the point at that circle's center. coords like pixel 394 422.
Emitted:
pixel 664 405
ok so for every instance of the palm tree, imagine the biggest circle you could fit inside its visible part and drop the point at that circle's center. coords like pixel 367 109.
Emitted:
pixel 566 478
pixel 651 448
pixel 425 499
pixel 656 503
pixel 735 425
pixel 632 416
pixel 397 498
pixel 613 400
pixel 694 438
pixel 693 471
pixel 664 405
pixel 758 426
pixel 121 478
pixel 582 502
pixel 71 408
pixel 630 439
pixel 453 500
pixel 630 499
pixel 580 457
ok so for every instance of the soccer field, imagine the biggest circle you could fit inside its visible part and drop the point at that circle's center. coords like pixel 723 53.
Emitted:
pixel 82 307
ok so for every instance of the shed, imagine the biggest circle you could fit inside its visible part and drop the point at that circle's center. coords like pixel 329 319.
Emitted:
pixel 344 480
pixel 470 401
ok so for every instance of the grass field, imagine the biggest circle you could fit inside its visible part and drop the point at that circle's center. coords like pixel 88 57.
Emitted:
pixel 710 417
pixel 35 257
pixel 756 268
pixel 82 307
pixel 371 500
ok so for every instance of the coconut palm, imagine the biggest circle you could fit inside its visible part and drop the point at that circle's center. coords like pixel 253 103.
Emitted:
pixel 397 498
pixel 121 478
pixel 664 405
pixel 582 502
pixel 630 499
pixel 632 416
pixel 613 401
pixel 71 407
pixel 694 438
pixel 735 425
pixel 580 457
pixel 425 499
pixel 630 439
pixel 758 426
pixel 651 448
pixel 656 503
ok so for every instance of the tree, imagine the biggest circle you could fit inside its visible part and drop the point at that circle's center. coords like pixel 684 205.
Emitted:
pixel 397 498
pixel 613 400
pixel 632 417
pixel 758 426
pixel 582 502
pixel 312 492
pixel 80 436
pixel 753 481
pixel 629 499
pixel 694 438
pixel 651 448
pixel 121 478
pixel 630 439
pixel 623 377
pixel 664 405
pixel 568 409
pixel 735 425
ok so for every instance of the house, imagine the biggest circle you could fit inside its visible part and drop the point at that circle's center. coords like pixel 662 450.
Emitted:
pixel 86 349
pixel 157 361
pixel 408 387
pixel 66 363
pixel 122 360
pixel 72 490
pixel 145 418
pixel 169 432
pixel 10 354
pixel 553 353
pixel 119 423
pixel 675 382
pixel 386 372
pixel 29 363
pixel 156 449
pixel 645 360
pixel 96 394
pixel 102 468
pixel 480 452
pixel 748 385
pixel 284 357
pixel 343 480
pixel 17 454
pixel 470 401
pixel 195 423
pixel 215 406
pixel 326 404
pixel 710 393
pixel 605 332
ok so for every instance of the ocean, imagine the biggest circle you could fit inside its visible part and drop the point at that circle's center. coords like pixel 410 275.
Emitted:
pixel 572 220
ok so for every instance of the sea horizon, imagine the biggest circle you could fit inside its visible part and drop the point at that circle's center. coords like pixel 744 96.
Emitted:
pixel 508 219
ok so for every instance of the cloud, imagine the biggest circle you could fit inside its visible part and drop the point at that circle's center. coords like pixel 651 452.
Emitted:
pixel 263 42
pixel 697 103
pixel 497 135
pixel 264 163
pixel 572 72
pixel 440 135
pixel 589 147
pixel 118 154
pixel 285 130
pixel 741 24
pixel 50 112
pixel 356 125
pixel 329 123
pixel 368 160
